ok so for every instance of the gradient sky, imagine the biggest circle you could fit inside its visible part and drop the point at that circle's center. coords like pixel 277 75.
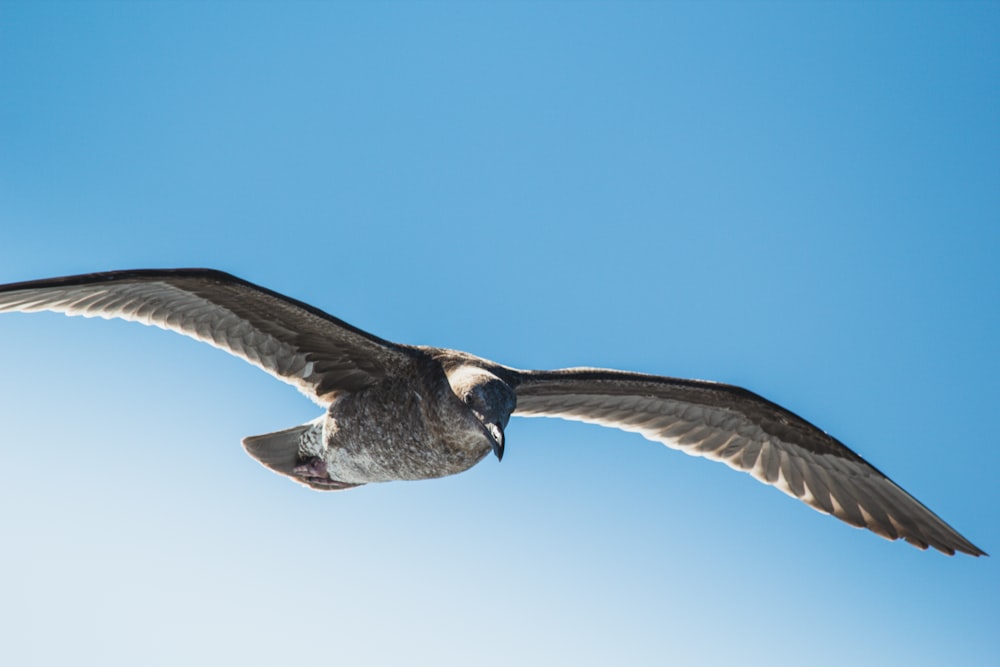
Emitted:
pixel 800 199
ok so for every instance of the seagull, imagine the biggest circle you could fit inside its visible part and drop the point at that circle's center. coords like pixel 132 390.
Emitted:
pixel 402 412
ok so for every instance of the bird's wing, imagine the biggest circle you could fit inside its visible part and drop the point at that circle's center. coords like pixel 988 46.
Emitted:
pixel 294 342
pixel 746 432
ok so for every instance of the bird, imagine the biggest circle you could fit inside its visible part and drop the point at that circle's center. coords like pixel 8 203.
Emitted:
pixel 404 412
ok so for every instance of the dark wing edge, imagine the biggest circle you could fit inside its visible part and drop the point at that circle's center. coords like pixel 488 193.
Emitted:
pixel 746 432
pixel 293 341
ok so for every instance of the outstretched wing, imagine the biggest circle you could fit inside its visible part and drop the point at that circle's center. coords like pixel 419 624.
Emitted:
pixel 294 342
pixel 746 432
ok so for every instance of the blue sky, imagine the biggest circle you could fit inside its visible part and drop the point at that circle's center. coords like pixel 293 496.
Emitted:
pixel 801 199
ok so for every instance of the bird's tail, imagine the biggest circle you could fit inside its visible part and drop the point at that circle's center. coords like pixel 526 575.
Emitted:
pixel 281 451
pixel 293 452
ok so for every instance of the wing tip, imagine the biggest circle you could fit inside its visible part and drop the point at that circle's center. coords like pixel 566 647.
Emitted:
pixel 124 274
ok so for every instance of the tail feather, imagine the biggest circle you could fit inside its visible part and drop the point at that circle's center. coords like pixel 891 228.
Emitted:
pixel 280 451
pixel 284 452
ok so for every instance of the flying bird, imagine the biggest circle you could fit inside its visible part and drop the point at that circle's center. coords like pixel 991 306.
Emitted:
pixel 402 412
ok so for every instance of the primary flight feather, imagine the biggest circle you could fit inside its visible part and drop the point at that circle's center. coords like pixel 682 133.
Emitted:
pixel 396 412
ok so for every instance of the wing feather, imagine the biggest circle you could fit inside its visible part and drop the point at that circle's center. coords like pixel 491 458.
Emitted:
pixel 301 345
pixel 747 433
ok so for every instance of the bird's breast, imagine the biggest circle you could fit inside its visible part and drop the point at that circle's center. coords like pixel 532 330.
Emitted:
pixel 401 430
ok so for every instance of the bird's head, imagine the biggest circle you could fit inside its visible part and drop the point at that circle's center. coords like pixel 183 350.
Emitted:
pixel 488 397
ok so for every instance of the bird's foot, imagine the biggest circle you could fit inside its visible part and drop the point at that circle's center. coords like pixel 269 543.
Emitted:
pixel 312 469
pixel 313 472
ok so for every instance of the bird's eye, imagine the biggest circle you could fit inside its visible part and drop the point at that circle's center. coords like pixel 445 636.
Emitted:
pixel 469 398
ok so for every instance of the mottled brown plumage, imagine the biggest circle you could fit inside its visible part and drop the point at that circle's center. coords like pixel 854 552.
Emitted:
pixel 398 412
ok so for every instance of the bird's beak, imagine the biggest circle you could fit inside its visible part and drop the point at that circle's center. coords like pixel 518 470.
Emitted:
pixel 496 434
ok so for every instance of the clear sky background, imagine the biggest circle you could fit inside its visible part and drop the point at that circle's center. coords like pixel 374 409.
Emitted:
pixel 800 199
